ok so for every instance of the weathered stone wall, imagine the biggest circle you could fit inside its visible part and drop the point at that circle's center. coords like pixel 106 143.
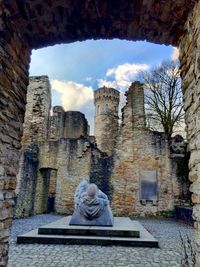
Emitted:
pixel 180 161
pixel 13 82
pixel 56 123
pixel 190 70
pixel 70 124
pixel 29 169
pixel 101 169
pixel 35 127
pixel 72 160
pixel 106 126
pixel 139 150
pixel 68 154
pixel 52 22
pixel 63 159
pixel 43 23
pixel 75 125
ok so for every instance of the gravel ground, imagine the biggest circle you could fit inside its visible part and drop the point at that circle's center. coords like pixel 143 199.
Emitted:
pixel 167 231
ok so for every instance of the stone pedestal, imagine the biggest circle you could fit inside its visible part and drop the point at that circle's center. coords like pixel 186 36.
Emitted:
pixel 124 232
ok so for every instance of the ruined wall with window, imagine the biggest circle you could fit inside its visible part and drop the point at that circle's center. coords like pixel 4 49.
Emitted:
pixel 143 179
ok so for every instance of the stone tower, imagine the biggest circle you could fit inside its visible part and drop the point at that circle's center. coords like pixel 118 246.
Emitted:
pixel 106 126
pixel 135 105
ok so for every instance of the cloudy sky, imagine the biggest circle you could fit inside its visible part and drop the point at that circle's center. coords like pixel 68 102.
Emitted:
pixel 76 70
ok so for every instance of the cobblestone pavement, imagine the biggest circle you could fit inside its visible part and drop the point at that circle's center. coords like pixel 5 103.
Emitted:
pixel 166 231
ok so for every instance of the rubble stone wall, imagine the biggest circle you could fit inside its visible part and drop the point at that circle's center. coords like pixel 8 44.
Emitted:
pixel 73 160
pixel 36 121
pixel 190 66
pixel 60 139
pixel 70 124
pixel 29 172
pixel 13 83
pixel 29 24
pixel 138 150
pixel 35 127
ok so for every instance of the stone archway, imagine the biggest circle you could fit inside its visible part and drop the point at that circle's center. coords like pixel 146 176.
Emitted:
pixel 25 25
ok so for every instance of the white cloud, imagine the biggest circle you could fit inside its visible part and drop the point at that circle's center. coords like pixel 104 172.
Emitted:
pixel 110 84
pixel 73 95
pixel 175 54
pixel 77 97
pixel 122 76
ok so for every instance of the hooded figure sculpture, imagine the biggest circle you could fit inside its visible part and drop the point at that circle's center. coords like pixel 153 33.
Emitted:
pixel 91 206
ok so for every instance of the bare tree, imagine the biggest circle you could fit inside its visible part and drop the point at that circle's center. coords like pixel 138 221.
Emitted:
pixel 163 97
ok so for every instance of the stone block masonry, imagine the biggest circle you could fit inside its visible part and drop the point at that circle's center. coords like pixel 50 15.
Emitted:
pixel 35 128
pixel 67 154
pixel 139 150
pixel 26 192
pixel 69 161
pixel 70 124
pixel 190 69
pixel 71 158
pixel 106 126
pixel 13 83
pixel 25 25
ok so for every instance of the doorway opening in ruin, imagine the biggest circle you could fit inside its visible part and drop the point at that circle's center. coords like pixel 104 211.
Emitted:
pixel 47 183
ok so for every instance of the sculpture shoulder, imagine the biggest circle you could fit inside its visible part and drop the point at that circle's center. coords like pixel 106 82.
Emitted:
pixel 102 195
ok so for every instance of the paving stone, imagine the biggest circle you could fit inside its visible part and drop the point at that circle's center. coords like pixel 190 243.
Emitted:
pixel 165 230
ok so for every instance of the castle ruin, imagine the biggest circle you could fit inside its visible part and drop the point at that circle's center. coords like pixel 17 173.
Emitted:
pixel 127 161
pixel 27 25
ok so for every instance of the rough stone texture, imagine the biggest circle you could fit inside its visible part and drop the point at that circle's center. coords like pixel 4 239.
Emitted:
pixel 139 149
pixel 71 158
pixel 70 124
pixel 13 83
pixel 180 160
pixel 68 154
pixel 106 127
pixel 42 23
pixel 64 157
pixel 190 58
pixel 51 22
pixel 35 127
pixel 101 168
pixel 26 196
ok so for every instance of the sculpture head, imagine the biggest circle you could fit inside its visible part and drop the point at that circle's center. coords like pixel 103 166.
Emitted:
pixel 92 190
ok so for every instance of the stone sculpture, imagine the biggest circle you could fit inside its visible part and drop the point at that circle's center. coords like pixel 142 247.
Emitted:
pixel 91 206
